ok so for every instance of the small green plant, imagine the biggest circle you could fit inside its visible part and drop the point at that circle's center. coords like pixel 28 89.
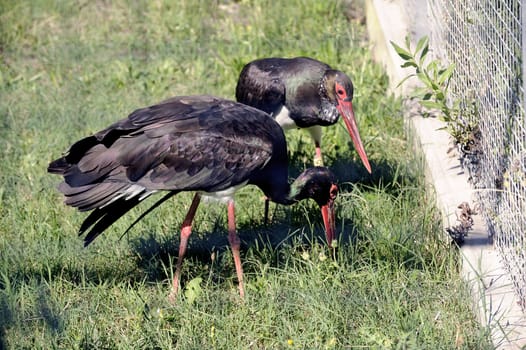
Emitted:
pixel 434 94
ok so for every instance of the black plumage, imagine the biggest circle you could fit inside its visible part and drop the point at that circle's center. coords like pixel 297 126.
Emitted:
pixel 189 143
pixel 301 92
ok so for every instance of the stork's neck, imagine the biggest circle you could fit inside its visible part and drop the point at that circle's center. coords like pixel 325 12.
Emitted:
pixel 328 111
pixel 322 87
pixel 277 191
pixel 313 183
pixel 287 195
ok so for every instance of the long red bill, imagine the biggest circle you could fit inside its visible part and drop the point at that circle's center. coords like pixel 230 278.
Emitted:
pixel 345 108
pixel 327 212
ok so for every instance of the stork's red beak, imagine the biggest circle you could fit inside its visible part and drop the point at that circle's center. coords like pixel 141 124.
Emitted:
pixel 346 111
pixel 327 212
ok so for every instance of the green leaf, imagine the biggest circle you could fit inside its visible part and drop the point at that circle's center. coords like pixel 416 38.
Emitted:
pixel 423 43
pixel 431 104
pixel 424 79
pixel 446 74
pixel 404 80
pixel 424 54
pixel 420 92
pixel 432 67
pixel 427 96
pixel 403 53
pixel 408 42
pixel 410 63
pixel 193 290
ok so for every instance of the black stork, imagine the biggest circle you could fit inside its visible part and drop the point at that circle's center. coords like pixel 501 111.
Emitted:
pixel 301 92
pixel 191 143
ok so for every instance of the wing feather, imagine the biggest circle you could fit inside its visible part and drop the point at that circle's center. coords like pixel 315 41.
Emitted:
pixel 182 144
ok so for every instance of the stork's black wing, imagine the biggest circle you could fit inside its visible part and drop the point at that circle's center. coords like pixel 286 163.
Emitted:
pixel 260 86
pixel 269 83
pixel 183 144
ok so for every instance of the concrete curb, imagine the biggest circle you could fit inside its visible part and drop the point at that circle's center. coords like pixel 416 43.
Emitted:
pixel 494 300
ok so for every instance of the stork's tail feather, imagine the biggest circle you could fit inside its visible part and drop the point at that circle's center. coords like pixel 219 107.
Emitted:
pixel 102 218
pixel 98 195
pixel 59 166
pixel 108 200
pixel 94 188
pixel 155 205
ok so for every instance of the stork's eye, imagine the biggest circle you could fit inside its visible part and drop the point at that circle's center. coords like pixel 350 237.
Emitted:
pixel 333 191
pixel 340 91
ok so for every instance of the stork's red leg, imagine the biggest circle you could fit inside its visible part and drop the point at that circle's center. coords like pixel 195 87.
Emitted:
pixel 186 230
pixel 235 244
pixel 318 158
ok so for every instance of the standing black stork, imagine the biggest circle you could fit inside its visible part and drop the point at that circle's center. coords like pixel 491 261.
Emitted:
pixel 192 143
pixel 301 93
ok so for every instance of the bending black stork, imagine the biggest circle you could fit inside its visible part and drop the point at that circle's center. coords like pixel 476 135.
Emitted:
pixel 194 143
pixel 301 93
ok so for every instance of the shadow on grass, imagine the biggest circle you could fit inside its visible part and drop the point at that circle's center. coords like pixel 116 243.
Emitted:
pixel 206 249
pixel 6 319
pixel 289 228
pixel 45 310
pixel 385 175
pixel 48 311
pixel 350 171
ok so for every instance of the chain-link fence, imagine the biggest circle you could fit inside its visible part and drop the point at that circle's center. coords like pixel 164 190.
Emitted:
pixel 484 39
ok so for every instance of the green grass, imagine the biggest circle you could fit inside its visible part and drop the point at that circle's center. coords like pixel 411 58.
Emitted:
pixel 70 68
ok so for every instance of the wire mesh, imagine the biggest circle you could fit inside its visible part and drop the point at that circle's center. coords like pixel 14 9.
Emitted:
pixel 484 39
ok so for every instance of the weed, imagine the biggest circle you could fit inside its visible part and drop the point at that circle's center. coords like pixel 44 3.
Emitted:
pixel 434 95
